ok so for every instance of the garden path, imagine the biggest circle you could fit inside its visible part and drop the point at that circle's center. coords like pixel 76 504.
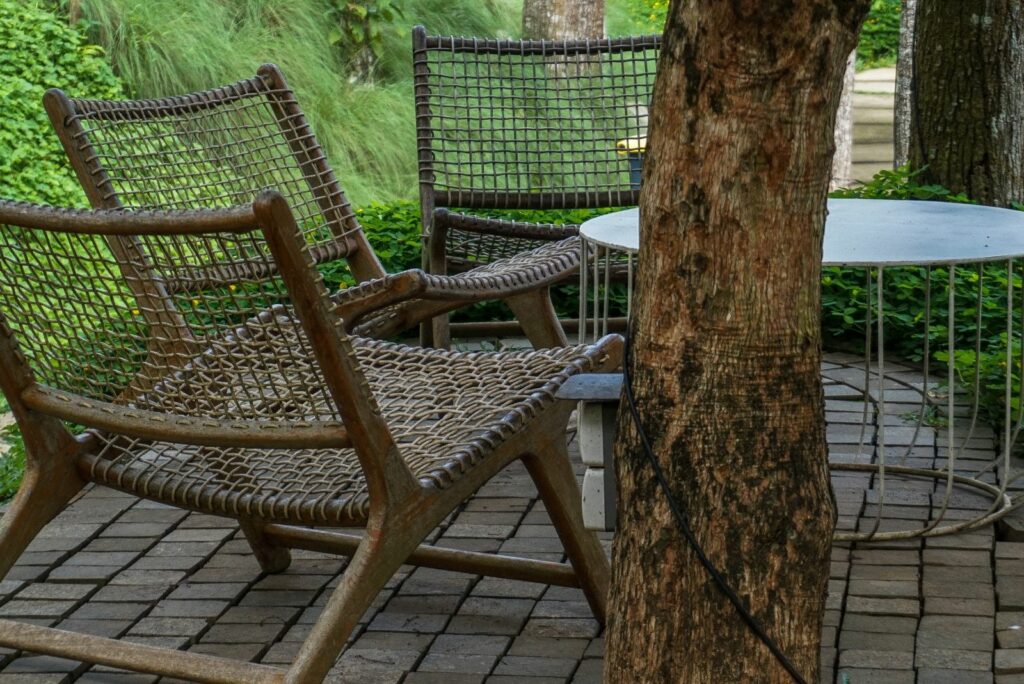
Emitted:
pixel 948 609
pixel 873 102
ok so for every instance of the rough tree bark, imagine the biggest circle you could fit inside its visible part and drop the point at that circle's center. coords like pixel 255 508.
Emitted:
pixel 563 19
pixel 969 98
pixel 842 161
pixel 904 83
pixel 727 345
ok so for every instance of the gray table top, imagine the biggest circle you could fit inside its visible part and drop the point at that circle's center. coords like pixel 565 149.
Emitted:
pixel 865 232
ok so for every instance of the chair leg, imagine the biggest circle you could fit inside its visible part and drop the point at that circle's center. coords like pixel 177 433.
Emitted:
pixel 272 557
pixel 440 332
pixel 552 473
pixel 537 316
pixel 373 564
pixel 40 497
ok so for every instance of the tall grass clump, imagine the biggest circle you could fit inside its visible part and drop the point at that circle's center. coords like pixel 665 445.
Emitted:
pixel 367 129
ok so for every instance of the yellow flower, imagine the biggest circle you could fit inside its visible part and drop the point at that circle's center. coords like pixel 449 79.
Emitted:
pixel 195 302
pixel 232 287
pixel 135 312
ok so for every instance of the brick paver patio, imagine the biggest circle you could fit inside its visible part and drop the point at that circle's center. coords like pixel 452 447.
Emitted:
pixel 944 610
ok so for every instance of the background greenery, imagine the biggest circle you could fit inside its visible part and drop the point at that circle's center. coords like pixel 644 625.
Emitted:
pixel 38 50
pixel 363 117
pixel 880 37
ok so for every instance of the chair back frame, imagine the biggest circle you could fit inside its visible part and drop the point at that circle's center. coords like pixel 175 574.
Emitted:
pixel 443 112
pixel 66 115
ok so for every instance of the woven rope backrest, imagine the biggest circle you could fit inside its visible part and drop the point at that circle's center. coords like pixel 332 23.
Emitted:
pixel 216 148
pixel 72 307
pixel 531 124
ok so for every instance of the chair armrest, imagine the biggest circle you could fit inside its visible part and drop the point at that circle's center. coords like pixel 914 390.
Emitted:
pixel 503 227
pixel 353 303
pixel 445 221
pixel 526 271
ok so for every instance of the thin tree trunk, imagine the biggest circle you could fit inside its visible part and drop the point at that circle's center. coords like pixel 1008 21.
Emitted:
pixel 74 12
pixel 904 83
pixel 726 345
pixel 969 98
pixel 563 19
pixel 842 161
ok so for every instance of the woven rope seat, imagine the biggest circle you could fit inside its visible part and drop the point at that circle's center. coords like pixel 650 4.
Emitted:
pixel 447 415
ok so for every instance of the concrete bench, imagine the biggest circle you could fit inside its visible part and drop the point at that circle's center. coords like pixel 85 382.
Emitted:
pixel 598 396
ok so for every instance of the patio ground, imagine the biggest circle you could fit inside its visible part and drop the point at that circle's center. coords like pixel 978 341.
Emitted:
pixel 948 609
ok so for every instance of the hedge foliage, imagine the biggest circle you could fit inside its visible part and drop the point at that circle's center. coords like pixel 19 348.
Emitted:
pixel 880 37
pixel 40 51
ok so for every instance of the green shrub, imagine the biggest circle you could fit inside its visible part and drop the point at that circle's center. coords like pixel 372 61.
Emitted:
pixel 40 51
pixel 880 37
pixel 636 17
pixel 12 461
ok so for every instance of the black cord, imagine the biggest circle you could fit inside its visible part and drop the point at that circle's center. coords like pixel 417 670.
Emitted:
pixel 691 539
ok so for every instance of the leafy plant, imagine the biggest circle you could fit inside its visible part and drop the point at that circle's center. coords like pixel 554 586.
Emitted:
pixel 880 37
pixel 640 17
pixel 12 461
pixel 900 183
pixel 41 51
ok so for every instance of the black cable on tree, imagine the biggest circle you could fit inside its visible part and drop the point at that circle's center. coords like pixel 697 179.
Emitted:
pixel 691 539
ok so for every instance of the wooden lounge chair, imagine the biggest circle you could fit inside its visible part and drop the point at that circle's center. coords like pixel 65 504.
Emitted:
pixel 249 400
pixel 222 146
pixel 524 124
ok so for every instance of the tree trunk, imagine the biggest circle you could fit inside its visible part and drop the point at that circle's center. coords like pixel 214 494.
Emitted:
pixel 969 98
pixel 904 83
pixel 563 19
pixel 726 346
pixel 842 161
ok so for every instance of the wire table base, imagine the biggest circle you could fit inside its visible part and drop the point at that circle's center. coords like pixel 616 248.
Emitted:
pixel 938 410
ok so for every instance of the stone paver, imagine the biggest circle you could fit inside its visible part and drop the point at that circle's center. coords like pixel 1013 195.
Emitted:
pixel 936 611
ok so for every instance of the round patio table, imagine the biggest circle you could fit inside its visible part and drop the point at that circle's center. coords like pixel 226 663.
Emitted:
pixel 879 236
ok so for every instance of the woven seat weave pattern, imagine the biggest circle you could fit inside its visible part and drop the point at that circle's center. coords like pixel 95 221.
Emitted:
pixel 448 412
pixel 540 263
pixel 528 124
pixel 219 148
